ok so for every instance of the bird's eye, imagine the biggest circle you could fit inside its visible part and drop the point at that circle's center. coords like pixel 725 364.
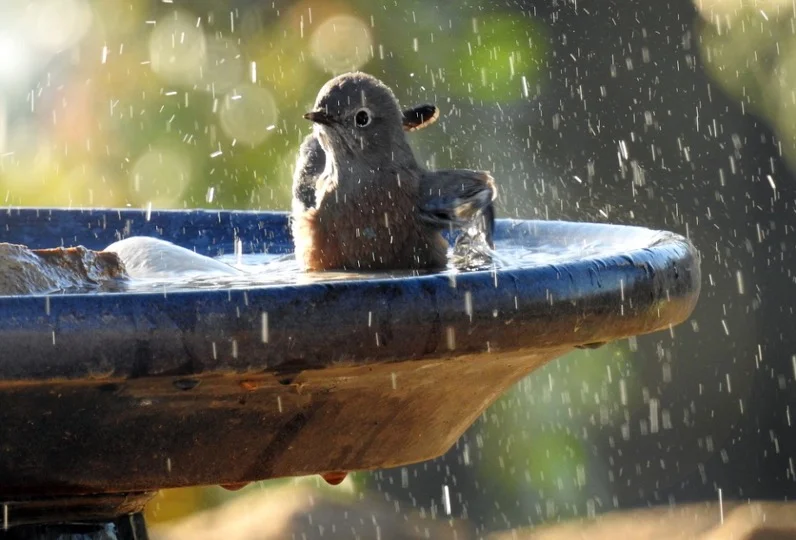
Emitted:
pixel 362 118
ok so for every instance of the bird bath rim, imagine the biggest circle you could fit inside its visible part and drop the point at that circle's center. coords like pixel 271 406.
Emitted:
pixel 473 304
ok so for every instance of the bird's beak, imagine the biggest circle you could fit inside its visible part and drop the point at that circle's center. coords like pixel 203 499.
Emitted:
pixel 319 117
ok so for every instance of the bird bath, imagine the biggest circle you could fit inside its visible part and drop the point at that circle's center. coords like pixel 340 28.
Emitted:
pixel 107 397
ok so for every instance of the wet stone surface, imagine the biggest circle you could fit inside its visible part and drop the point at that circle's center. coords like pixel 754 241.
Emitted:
pixel 42 271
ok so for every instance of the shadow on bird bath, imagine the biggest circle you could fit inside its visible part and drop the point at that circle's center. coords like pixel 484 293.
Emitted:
pixel 166 386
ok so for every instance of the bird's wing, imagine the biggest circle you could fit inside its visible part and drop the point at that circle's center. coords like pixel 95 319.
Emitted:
pixel 455 197
pixel 309 166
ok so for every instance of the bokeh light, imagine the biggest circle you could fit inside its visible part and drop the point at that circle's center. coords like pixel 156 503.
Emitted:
pixel 341 43
pixel 223 68
pixel 160 176
pixel 730 8
pixel 58 24
pixel 248 114
pixel 178 48
pixel 15 58
pixel 3 125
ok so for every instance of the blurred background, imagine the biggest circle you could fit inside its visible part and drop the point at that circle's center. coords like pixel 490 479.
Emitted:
pixel 678 115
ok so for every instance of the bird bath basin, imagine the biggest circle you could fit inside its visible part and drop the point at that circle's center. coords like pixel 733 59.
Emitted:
pixel 108 397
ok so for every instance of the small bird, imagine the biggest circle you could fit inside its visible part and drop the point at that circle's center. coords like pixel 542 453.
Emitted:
pixel 312 159
pixel 374 207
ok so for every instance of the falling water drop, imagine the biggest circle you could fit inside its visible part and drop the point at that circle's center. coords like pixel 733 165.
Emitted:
pixel 334 478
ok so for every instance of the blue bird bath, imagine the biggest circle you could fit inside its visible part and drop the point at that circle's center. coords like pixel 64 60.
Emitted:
pixel 107 397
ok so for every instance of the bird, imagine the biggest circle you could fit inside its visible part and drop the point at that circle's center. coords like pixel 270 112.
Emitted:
pixel 374 207
pixel 311 159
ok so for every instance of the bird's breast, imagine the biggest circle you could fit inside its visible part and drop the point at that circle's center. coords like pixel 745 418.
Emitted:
pixel 376 229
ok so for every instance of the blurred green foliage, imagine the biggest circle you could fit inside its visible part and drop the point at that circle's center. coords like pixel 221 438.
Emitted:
pixel 749 49
pixel 199 105
pixel 527 444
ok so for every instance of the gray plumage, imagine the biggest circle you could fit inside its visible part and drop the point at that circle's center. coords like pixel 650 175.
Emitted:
pixel 361 200
pixel 312 159
pixel 309 166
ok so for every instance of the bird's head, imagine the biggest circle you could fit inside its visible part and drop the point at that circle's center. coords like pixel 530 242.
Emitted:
pixel 356 115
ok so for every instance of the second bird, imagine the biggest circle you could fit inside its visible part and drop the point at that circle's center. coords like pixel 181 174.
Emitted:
pixel 375 207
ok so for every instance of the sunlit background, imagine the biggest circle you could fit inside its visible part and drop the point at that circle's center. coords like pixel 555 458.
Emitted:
pixel 199 104
pixel 677 115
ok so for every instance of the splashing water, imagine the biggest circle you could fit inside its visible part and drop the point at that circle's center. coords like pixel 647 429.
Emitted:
pixel 264 269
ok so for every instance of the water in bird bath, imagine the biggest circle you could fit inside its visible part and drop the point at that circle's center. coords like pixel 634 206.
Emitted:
pixel 267 269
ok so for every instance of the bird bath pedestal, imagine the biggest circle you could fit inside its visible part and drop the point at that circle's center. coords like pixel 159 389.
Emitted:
pixel 107 397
